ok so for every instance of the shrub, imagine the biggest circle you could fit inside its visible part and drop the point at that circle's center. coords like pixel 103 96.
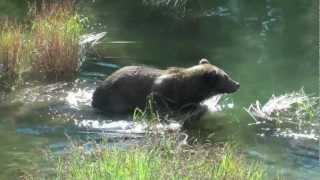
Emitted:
pixel 15 53
pixel 48 46
pixel 56 29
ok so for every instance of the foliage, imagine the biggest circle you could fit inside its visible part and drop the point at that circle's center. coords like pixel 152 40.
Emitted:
pixel 167 158
pixel 56 29
pixel 47 47
pixel 149 114
pixel 16 52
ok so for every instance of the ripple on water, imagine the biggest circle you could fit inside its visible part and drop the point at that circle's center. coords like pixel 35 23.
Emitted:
pixel 72 101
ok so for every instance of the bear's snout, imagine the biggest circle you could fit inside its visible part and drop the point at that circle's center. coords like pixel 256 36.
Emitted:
pixel 234 86
pixel 229 86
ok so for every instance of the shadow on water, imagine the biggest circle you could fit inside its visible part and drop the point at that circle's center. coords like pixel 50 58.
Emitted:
pixel 268 46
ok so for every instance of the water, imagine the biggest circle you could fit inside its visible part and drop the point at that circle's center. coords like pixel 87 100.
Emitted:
pixel 268 46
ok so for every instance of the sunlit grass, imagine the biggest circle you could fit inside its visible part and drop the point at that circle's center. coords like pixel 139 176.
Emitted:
pixel 56 29
pixel 233 167
pixel 47 46
pixel 16 52
pixel 165 159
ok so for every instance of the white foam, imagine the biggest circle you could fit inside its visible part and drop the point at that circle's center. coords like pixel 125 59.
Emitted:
pixel 125 126
pixel 212 103
pixel 79 98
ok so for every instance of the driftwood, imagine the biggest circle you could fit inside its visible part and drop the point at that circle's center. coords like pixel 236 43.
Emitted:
pixel 293 118
pixel 294 114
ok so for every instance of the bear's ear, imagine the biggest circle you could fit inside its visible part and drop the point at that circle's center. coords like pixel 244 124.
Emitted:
pixel 204 61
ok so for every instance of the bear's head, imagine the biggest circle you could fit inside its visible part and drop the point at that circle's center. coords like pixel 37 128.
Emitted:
pixel 192 85
pixel 212 80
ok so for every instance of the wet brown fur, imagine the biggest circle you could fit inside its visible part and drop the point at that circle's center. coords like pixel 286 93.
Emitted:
pixel 128 88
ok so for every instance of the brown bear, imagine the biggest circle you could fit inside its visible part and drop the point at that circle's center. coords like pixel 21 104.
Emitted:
pixel 129 87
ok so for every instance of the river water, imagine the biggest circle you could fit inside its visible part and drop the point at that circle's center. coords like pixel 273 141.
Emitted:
pixel 268 46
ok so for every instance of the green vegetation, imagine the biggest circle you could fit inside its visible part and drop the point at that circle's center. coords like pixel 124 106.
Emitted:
pixel 162 156
pixel 15 53
pixel 166 159
pixel 56 30
pixel 149 114
pixel 47 46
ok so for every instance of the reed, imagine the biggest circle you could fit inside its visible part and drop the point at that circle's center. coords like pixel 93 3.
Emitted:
pixel 47 46
pixel 16 52
pixel 56 30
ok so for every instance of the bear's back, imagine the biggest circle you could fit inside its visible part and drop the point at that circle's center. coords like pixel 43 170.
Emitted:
pixel 134 73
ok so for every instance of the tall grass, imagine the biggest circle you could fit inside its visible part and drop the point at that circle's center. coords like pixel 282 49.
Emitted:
pixel 16 52
pixel 148 114
pixel 165 160
pixel 56 29
pixel 48 45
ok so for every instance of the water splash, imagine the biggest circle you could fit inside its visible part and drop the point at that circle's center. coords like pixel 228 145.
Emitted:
pixel 294 112
pixel 126 126
pixel 87 41
pixel 91 39
pixel 291 119
pixel 79 98
pixel 218 103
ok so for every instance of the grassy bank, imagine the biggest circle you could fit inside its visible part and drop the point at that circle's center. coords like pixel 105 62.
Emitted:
pixel 165 159
pixel 47 46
